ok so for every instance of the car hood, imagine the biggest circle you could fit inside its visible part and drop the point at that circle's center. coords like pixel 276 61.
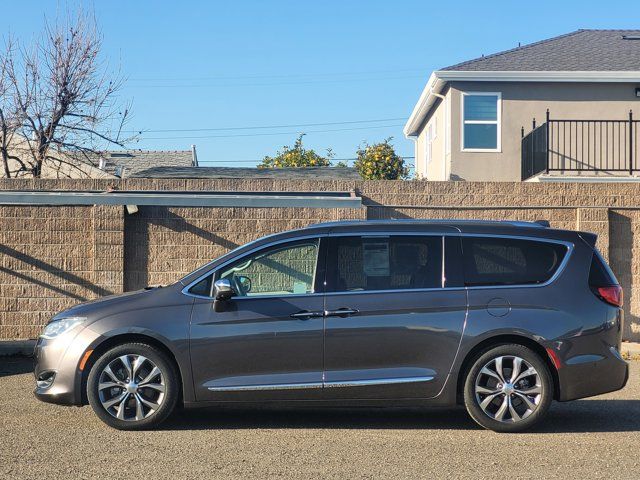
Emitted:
pixel 100 307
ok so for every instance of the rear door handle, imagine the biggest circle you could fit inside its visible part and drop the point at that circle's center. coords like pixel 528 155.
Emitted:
pixel 341 312
pixel 305 315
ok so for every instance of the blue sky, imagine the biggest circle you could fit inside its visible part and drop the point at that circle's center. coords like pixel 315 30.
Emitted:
pixel 220 66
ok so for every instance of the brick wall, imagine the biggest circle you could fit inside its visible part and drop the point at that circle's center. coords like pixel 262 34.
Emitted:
pixel 53 257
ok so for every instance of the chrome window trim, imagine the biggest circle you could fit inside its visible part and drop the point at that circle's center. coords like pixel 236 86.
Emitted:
pixel 570 248
pixel 325 384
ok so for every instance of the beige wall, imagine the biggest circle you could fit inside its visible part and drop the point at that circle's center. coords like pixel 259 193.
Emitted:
pixel 436 169
pixel 439 167
pixel 51 168
pixel 54 257
pixel 521 103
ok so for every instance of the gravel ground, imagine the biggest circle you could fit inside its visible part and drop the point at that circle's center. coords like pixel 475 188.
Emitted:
pixel 590 438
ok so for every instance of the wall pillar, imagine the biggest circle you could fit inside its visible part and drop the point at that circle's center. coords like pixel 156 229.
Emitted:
pixel 595 220
pixel 108 248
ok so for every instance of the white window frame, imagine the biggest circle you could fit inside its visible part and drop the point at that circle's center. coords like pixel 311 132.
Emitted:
pixel 429 136
pixel 497 122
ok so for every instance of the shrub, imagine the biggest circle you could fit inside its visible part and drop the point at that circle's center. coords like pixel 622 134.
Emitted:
pixel 380 162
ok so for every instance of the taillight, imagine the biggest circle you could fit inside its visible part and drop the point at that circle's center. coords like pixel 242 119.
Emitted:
pixel 612 294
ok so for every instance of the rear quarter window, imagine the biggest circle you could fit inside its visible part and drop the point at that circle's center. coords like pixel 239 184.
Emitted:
pixel 600 274
pixel 510 261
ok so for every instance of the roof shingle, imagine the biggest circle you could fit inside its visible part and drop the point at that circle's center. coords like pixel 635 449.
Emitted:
pixel 308 173
pixel 582 50
pixel 135 161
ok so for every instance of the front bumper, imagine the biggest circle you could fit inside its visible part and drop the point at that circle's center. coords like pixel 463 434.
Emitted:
pixel 62 356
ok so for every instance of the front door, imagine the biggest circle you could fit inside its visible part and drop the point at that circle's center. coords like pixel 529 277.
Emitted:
pixel 393 320
pixel 268 341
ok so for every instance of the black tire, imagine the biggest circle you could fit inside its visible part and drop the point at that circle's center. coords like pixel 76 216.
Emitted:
pixel 510 423
pixel 171 386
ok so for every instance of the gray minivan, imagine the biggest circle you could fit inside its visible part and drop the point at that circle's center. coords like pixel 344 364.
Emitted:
pixel 503 317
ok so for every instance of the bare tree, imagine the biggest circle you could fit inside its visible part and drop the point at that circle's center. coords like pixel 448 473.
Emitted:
pixel 10 119
pixel 64 98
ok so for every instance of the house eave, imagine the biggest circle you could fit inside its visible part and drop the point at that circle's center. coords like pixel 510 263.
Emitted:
pixel 434 85
pixel 439 79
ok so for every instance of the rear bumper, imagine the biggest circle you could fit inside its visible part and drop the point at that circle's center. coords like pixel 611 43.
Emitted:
pixel 595 377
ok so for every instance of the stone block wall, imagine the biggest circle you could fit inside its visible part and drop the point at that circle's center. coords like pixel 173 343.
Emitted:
pixel 53 257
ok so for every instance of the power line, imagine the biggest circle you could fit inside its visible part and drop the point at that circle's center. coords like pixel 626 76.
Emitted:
pixel 265 127
pixel 281 75
pixel 271 133
pixel 271 84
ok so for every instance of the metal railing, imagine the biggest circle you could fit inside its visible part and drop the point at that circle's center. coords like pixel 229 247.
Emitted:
pixel 574 146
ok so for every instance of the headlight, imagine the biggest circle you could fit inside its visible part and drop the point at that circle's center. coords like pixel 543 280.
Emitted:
pixel 60 326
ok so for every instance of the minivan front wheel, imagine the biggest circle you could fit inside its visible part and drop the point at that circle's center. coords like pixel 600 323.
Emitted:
pixel 133 386
pixel 508 389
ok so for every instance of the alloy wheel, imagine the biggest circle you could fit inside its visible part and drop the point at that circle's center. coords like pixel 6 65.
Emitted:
pixel 131 387
pixel 508 389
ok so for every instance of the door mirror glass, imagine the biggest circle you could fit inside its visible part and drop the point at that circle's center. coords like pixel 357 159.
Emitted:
pixel 244 284
pixel 222 289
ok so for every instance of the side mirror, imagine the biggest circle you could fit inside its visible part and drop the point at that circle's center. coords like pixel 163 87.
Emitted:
pixel 222 289
pixel 222 292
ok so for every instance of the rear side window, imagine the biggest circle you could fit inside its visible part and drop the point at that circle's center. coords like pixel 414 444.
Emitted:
pixel 510 261
pixel 600 274
pixel 385 263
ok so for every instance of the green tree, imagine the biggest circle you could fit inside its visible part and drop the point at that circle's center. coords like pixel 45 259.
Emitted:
pixel 380 162
pixel 296 157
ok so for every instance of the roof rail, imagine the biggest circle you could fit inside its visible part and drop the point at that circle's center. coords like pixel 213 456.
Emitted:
pixel 451 221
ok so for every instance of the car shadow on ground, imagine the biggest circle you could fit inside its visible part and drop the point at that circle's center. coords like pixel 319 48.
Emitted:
pixel 15 366
pixel 582 416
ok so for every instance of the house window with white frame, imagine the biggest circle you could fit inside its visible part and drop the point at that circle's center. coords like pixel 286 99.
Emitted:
pixel 481 121
pixel 428 144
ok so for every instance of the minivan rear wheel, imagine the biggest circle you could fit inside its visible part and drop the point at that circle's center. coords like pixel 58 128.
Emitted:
pixel 508 389
pixel 133 386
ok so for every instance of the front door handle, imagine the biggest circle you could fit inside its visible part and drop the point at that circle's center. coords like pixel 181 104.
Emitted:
pixel 305 315
pixel 341 312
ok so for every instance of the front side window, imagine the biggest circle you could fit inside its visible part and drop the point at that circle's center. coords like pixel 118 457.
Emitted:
pixel 481 121
pixel 287 269
pixel 385 263
pixel 510 261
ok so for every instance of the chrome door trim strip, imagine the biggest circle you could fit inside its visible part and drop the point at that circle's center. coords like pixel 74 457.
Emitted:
pixel 276 386
pixel 374 382
pixel 332 384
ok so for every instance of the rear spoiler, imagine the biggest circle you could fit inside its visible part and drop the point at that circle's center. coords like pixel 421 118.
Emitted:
pixel 589 238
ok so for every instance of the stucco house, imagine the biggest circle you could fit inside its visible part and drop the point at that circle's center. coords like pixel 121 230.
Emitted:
pixel 554 110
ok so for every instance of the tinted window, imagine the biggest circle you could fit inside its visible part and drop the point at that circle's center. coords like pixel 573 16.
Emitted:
pixel 509 261
pixel 279 270
pixel 385 263
pixel 203 287
pixel 600 274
